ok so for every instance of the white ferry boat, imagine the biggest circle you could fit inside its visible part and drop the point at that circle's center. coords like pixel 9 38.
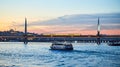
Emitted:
pixel 61 46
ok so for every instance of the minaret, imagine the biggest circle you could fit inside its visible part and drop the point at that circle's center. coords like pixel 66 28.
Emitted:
pixel 98 26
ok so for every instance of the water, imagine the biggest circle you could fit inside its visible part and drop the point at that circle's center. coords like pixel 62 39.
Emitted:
pixel 16 54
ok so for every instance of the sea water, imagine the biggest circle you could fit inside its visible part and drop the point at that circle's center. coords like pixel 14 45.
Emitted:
pixel 38 54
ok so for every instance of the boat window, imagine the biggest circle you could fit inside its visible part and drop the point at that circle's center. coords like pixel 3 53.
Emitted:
pixel 59 44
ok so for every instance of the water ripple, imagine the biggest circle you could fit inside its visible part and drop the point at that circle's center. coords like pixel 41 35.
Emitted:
pixel 36 55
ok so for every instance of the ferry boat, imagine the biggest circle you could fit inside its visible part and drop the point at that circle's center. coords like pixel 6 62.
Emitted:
pixel 114 44
pixel 61 46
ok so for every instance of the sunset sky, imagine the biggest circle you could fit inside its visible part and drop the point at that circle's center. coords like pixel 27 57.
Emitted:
pixel 44 16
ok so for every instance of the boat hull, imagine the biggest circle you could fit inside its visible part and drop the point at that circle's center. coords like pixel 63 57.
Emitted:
pixel 114 44
pixel 61 48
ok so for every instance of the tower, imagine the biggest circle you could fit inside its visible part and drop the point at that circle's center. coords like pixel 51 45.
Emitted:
pixel 25 26
pixel 25 35
pixel 98 28
pixel 98 32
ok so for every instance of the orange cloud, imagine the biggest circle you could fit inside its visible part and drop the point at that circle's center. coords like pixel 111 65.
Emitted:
pixel 111 32
pixel 69 30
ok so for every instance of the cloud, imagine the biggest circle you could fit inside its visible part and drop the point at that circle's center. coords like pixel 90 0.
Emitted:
pixel 78 22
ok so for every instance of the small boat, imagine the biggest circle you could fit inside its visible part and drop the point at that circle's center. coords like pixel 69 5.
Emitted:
pixel 114 44
pixel 61 46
